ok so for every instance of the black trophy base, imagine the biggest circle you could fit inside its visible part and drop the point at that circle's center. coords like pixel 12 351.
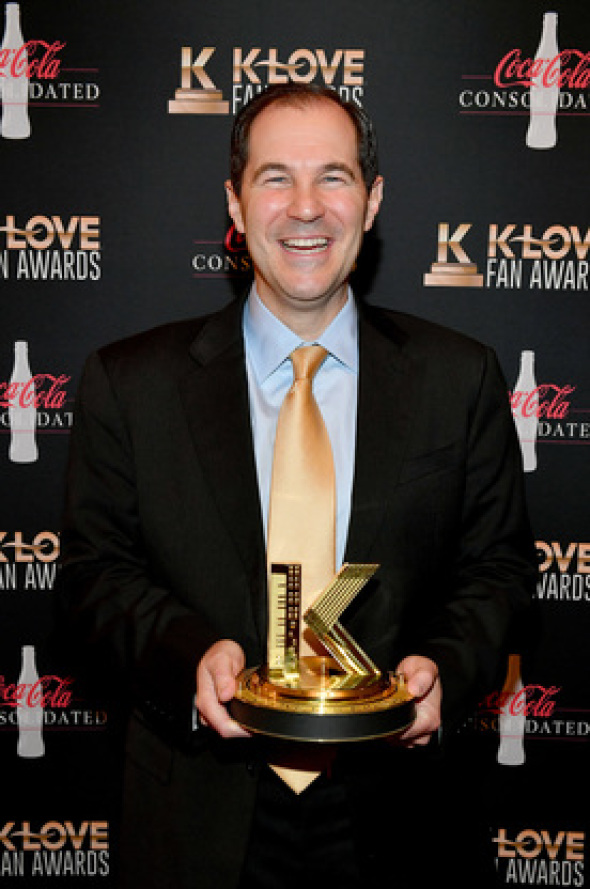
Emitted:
pixel 321 704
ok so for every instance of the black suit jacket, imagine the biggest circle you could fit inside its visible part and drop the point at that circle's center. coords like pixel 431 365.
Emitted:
pixel 163 549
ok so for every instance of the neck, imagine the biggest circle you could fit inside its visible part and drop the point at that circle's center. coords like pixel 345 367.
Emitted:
pixel 307 319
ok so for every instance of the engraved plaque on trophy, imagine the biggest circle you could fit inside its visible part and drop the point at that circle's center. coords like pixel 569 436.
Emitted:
pixel 342 696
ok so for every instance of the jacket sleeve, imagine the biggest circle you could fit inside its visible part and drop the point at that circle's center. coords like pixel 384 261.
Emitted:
pixel 493 566
pixel 138 631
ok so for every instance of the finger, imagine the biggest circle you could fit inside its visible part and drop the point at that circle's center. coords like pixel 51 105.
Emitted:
pixel 420 673
pixel 214 715
pixel 420 683
pixel 427 718
pixel 225 686
pixel 216 686
pixel 423 726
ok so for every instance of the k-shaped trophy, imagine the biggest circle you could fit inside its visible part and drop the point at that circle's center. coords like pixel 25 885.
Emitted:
pixel 342 696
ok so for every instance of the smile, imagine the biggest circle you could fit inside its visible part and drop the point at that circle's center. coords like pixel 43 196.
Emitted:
pixel 309 245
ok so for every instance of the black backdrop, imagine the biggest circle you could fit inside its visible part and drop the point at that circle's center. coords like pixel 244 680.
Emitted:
pixel 112 219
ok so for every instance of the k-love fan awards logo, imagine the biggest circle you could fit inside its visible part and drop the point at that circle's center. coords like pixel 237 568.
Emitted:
pixel 34 74
pixel 513 257
pixel 545 412
pixel 54 849
pixel 544 85
pixel 50 248
pixel 28 562
pixel 564 568
pixel 536 856
pixel 32 405
pixel 251 69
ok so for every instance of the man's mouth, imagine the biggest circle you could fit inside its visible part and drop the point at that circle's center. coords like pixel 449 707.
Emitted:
pixel 305 245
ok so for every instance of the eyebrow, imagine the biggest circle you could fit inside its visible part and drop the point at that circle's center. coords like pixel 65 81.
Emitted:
pixel 277 166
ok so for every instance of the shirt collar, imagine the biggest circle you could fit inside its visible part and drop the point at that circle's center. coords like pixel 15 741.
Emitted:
pixel 269 342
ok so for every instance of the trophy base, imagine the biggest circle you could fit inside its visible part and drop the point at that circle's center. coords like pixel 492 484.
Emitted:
pixel 320 703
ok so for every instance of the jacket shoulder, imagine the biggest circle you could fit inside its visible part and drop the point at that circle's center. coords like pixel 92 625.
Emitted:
pixel 151 345
pixel 418 333
pixel 169 350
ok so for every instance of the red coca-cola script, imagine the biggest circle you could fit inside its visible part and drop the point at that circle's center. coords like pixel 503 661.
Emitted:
pixel 571 69
pixel 235 241
pixel 47 691
pixel 35 58
pixel 547 401
pixel 532 700
pixel 33 393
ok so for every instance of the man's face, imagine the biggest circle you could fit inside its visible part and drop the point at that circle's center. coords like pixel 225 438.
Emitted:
pixel 303 206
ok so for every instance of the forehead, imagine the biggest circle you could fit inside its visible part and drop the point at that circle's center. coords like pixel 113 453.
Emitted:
pixel 315 131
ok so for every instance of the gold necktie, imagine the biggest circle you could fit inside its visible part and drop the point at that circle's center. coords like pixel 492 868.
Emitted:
pixel 302 510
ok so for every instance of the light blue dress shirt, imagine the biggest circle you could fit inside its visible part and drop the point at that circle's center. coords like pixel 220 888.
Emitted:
pixel 268 344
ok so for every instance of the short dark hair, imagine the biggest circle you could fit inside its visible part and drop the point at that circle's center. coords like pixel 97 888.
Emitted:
pixel 301 94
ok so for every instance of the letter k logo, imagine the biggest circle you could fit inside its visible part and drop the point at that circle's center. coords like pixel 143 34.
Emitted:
pixel 197 67
pixel 459 273
pixel 206 99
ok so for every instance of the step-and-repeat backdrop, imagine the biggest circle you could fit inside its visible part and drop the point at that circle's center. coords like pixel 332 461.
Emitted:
pixel 113 153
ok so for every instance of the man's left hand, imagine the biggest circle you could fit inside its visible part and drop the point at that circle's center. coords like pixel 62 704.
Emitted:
pixel 424 684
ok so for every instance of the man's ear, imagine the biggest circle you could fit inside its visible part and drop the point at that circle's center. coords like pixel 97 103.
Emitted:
pixel 375 198
pixel 234 207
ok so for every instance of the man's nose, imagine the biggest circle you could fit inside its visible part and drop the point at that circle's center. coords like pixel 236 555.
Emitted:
pixel 306 203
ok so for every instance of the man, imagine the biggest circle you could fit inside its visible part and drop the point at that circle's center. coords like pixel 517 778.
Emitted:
pixel 164 564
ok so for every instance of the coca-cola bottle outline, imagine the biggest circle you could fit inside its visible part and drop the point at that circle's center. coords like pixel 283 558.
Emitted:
pixel 526 409
pixel 14 88
pixel 512 719
pixel 29 713
pixel 22 417
pixel 544 96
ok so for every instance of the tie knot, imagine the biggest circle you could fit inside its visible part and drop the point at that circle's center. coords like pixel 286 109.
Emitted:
pixel 306 361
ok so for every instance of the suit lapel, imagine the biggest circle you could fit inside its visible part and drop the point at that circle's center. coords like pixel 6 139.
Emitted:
pixel 215 398
pixel 386 396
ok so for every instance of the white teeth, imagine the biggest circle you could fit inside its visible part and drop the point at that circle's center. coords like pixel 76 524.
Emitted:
pixel 305 243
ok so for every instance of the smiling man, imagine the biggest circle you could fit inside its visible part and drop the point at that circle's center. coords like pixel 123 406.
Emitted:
pixel 304 207
pixel 166 530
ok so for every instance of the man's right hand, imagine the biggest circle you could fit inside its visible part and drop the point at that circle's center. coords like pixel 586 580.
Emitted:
pixel 216 685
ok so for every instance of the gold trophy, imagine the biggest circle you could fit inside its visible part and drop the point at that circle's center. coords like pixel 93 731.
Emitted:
pixel 342 697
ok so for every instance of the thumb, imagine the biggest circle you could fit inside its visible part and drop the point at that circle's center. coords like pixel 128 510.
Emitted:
pixel 420 683
pixel 225 686
pixel 420 673
pixel 225 676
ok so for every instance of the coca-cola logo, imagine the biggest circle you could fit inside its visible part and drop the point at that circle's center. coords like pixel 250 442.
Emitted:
pixel 532 700
pixel 514 69
pixel 235 241
pixel 541 86
pixel 528 712
pixel 228 258
pixel 547 400
pixel 47 691
pixel 41 391
pixel 30 404
pixel 35 58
